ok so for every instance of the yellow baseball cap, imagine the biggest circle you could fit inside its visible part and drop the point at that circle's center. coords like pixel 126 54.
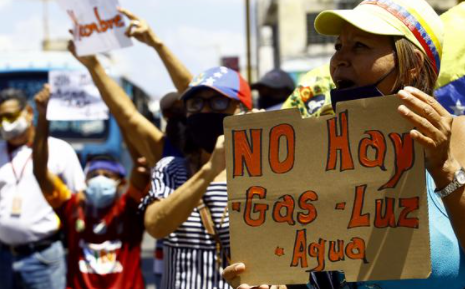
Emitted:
pixel 413 19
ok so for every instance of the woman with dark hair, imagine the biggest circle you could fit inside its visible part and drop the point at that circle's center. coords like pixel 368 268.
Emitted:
pixel 394 47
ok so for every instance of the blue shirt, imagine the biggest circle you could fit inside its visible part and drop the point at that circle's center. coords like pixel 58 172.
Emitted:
pixel 447 258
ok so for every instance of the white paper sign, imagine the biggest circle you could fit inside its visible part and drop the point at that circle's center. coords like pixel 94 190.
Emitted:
pixel 98 25
pixel 74 97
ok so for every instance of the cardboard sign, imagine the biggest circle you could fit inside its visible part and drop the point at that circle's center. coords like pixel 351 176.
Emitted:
pixel 98 25
pixel 344 192
pixel 74 97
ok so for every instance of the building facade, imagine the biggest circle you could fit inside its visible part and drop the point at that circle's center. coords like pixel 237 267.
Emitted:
pixel 287 39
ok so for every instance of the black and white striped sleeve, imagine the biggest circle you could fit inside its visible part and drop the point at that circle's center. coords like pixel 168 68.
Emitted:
pixel 167 175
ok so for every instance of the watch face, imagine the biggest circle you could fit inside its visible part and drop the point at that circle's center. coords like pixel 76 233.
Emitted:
pixel 461 177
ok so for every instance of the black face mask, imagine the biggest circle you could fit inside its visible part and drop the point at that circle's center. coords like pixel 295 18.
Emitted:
pixel 368 91
pixel 205 128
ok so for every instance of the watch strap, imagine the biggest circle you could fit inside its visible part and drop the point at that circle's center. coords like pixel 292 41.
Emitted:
pixel 452 186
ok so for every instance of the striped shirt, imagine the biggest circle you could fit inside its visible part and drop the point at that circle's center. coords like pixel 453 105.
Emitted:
pixel 190 256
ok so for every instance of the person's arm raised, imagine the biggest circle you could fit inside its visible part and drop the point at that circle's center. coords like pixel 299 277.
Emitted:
pixel 164 216
pixel 140 30
pixel 55 192
pixel 146 138
pixel 40 145
pixel 140 174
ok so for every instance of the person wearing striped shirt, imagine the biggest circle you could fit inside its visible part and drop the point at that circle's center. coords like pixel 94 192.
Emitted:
pixel 187 205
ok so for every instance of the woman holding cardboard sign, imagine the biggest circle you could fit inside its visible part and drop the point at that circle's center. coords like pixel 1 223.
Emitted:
pixel 394 47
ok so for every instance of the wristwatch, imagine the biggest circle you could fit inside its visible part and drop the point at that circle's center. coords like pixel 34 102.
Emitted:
pixel 457 182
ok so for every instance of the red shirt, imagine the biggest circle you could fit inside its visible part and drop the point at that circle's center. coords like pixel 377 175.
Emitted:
pixel 107 258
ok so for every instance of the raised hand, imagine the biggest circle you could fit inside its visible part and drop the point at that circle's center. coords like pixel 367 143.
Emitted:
pixel 41 99
pixel 87 61
pixel 140 175
pixel 139 29
pixel 218 158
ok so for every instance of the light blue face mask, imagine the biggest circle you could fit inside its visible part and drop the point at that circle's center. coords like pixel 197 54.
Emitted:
pixel 101 191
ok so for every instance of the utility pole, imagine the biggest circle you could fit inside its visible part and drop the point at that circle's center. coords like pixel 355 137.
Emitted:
pixel 249 53
pixel 45 25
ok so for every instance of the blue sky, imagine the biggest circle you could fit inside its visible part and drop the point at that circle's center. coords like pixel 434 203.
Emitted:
pixel 197 31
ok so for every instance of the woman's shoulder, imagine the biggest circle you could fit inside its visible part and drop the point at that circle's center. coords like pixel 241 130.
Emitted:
pixel 171 162
pixel 171 167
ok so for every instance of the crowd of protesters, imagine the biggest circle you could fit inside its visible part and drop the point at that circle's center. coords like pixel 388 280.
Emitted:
pixel 177 188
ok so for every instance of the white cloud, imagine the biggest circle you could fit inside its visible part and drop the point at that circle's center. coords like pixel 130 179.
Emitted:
pixel 198 49
pixel 143 67
pixel 24 35
pixel 148 6
pixel 4 3
pixel 6 42
pixel 27 34
pixel 223 2
pixel 196 38
pixel 202 48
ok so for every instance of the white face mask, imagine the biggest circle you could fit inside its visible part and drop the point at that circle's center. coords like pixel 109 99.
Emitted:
pixel 10 130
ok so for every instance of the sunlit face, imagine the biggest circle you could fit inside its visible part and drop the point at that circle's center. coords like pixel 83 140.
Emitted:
pixel 10 111
pixel 362 59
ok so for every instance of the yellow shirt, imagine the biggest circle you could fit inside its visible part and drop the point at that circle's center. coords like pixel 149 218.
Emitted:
pixel 312 95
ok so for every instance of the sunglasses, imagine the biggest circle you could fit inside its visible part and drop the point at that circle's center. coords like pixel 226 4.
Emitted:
pixel 216 103
pixel 10 117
